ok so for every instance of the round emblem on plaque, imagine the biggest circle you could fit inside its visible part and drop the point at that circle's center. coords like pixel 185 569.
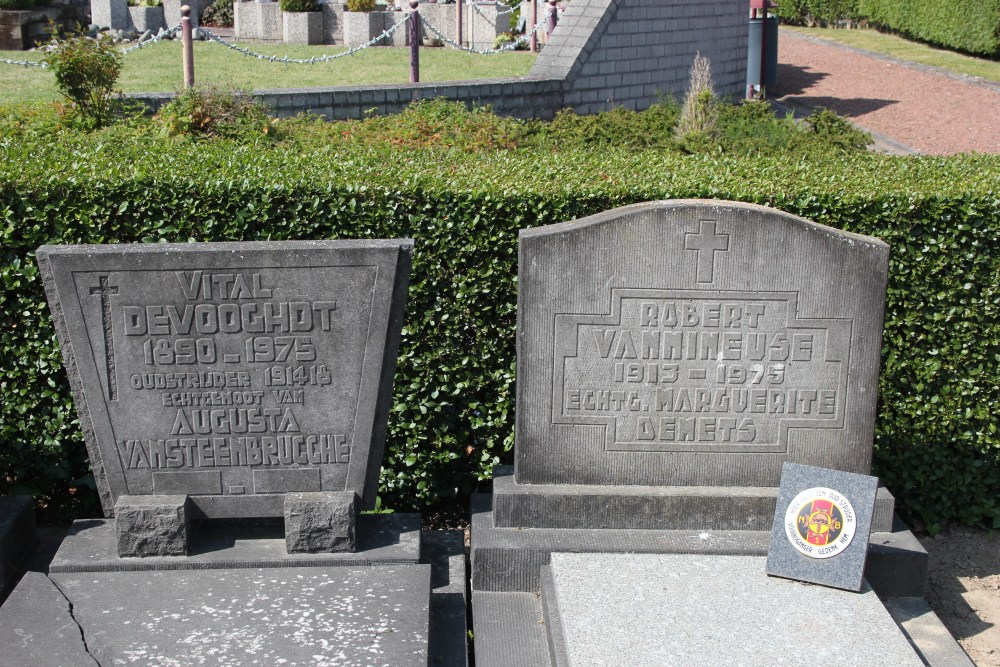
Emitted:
pixel 820 523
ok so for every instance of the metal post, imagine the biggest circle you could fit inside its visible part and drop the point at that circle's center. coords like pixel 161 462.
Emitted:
pixel 763 47
pixel 187 48
pixel 414 42
pixel 534 22
pixel 553 20
pixel 458 22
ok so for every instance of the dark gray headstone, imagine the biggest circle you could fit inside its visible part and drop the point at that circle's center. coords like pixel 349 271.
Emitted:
pixel 821 526
pixel 695 343
pixel 231 373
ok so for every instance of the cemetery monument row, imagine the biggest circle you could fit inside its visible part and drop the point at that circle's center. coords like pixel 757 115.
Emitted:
pixel 222 387
pixel 672 357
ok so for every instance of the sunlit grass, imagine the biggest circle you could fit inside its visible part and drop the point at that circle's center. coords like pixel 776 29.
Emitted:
pixel 904 49
pixel 157 68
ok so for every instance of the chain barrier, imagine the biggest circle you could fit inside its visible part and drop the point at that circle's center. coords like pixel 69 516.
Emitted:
pixel 303 61
pixel 510 46
pixel 166 34
pixel 510 10
pixel 24 63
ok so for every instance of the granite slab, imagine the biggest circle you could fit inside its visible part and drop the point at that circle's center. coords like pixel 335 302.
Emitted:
pixel 694 610
pixel 343 616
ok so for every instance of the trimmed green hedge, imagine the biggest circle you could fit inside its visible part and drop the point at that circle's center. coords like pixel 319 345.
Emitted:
pixel 822 12
pixel 937 445
pixel 972 26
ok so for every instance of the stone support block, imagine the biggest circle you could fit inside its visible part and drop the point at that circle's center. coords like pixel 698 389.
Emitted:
pixel 320 521
pixel 302 27
pixel 152 526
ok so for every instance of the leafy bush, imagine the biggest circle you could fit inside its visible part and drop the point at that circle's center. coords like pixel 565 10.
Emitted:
pixel 86 72
pixel 299 6
pixel 215 112
pixel 219 13
pixel 360 5
pixel 18 4
pixel 937 445
pixel 819 12
pixel 972 26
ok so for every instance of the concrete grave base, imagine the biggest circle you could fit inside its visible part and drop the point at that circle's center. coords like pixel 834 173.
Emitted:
pixel 17 534
pixel 510 559
pixel 645 507
pixel 402 607
pixel 90 546
pixel 542 629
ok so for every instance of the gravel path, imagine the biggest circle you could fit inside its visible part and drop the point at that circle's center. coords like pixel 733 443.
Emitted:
pixel 927 111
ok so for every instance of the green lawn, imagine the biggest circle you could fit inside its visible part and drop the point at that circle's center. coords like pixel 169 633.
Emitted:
pixel 157 68
pixel 904 49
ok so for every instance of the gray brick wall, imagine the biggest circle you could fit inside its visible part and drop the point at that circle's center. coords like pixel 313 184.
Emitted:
pixel 631 52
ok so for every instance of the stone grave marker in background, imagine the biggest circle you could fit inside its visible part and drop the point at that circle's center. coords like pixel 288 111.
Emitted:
pixel 234 400
pixel 671 358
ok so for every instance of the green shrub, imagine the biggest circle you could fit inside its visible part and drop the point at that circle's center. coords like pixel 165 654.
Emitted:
pixel 819 12
pixel 215 112
pixel 86 72
pixel 219 13
pixel 299 6
pixel 360 5
pixel 937 445
pixel 18 4
pixel 972 26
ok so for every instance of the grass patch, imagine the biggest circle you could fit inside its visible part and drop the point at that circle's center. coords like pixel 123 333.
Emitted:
pixel 904 49
pixel 157 68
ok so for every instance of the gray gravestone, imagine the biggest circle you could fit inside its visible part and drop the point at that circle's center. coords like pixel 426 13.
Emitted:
pixel 821 526
pixel 671 358
pixel 213 379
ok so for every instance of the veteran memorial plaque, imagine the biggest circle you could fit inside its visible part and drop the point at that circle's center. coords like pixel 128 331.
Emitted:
pixel 231 373
pixel 684 344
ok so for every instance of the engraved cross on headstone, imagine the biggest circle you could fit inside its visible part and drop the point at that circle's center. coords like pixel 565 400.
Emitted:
pixel 706 239
pixel 106 291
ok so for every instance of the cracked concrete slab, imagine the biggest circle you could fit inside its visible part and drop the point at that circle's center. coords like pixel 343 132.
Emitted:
pixel 37 627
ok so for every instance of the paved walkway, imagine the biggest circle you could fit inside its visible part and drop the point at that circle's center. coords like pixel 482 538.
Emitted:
pixel 911 107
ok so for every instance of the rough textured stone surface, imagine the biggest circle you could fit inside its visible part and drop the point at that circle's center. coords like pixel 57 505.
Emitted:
pixel 302 27
pixel 362 27
pixel 695 343
pixel 90 546
pixel 641 606
pixel 845 569
pixel 316 522
pixel 306 616
pixel 628 52
pixel 146 18
pixel 17 534
pixel 926 632
pixel 37 628
pixel 172 11
pixel 651 507
pixel 110 14
pixel 231 372
pixel 509 629
pixel 152 526
pixel 257 20
pixel 444 551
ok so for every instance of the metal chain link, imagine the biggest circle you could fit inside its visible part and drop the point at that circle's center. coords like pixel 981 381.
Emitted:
pixel 166 34
pixel 485 52
pixel 303 61
pixel 24 63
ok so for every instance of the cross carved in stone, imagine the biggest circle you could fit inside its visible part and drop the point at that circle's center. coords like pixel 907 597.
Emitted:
pixel 706 242
pixel 106 291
